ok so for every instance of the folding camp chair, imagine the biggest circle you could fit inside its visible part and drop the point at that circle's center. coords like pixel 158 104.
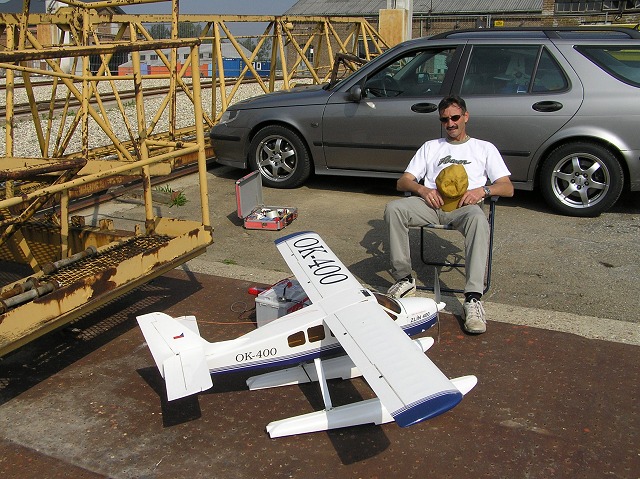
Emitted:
pixel 459 264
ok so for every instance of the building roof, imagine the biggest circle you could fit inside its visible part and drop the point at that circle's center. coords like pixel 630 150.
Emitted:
pixel 15 6
pixel 438 7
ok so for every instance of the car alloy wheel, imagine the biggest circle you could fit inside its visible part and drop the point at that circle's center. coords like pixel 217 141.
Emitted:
pixel 581 179
pixel 280 156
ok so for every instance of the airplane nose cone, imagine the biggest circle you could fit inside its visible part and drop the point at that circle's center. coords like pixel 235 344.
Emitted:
pixel 415 306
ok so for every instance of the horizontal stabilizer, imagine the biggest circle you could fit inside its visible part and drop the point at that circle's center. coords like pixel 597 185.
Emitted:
pixel 190 322
pixel 186 373
pixel 178 351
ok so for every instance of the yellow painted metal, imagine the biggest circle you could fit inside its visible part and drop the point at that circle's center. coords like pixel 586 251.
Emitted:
pixel 202 159
pixel 94 113
pixel 20 325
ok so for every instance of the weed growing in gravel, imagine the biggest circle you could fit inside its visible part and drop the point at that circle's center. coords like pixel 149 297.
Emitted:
pixel 177 197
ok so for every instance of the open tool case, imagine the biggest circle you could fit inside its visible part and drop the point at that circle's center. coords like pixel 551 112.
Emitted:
pixel 251 209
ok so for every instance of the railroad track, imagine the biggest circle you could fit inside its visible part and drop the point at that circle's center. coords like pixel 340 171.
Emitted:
pixel 24 109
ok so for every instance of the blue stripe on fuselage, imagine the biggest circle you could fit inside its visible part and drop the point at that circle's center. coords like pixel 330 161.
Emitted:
pixel 310 354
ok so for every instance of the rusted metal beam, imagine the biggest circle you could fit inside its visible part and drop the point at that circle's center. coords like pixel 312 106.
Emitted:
pixel 97 176
pixel 50 268
pixel 102 278
pixel 103 49
pixel 28 171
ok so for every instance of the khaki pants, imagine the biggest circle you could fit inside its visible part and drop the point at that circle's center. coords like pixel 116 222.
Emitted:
pixel 470 220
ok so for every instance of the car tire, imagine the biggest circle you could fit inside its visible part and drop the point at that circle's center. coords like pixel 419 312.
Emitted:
pixel 581 179
pixel 281 157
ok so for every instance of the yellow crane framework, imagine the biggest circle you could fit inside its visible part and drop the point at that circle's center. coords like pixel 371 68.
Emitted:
pixel 90 129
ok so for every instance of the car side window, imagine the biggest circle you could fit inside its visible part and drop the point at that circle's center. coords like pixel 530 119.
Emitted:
pixel 549 76
pixel 413 74
pixel 503 70
pixel 622 63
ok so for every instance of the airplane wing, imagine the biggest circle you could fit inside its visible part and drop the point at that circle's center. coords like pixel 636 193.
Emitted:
pixel 319 271
pixel 407 383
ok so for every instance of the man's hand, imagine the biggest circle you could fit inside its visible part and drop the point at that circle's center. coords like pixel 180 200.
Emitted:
pixel 407 182
pixel 471 197
pixel 432 197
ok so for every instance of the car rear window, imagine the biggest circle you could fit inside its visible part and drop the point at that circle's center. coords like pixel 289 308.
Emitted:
pixel 510 69
pixel 622 63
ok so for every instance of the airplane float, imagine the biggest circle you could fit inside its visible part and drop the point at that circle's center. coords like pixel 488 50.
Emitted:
pixel 341 316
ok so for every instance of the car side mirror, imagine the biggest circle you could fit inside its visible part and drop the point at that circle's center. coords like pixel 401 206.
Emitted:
pixel 355 93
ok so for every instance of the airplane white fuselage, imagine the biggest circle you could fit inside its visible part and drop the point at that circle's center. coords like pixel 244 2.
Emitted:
pixel 302 336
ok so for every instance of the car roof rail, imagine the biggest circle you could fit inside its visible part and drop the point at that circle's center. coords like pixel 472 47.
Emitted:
pixel 586 31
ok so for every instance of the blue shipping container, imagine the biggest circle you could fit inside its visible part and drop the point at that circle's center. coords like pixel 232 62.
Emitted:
pixel 233 66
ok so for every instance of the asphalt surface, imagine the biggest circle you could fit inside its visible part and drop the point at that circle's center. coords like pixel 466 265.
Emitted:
pixel 558 272
pixel 90 403
pixel 557 395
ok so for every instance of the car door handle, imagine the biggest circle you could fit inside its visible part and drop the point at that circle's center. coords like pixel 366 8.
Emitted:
pixel 424 107
pixel 547 106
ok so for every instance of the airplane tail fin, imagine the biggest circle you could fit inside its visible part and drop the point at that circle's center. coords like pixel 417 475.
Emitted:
pixel 179 353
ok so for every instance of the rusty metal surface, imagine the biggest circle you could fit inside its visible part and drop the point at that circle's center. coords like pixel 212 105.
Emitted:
pixel 37 168
pixel 72 291
pixel 109 258
pixel 91 403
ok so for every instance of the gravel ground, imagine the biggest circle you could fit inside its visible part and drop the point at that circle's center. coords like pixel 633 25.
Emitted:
pixel 25 131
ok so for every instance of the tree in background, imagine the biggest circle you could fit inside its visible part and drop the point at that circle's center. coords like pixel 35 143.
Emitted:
pixel 161 31
pixel 250 44
pixel 189 30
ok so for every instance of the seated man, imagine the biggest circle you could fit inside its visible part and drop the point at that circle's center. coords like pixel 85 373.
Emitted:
pixel 428 205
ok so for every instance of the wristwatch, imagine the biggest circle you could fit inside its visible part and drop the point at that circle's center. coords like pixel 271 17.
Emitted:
pixel 487 191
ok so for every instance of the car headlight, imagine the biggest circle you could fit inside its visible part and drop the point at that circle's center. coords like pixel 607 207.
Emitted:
pixel 228 116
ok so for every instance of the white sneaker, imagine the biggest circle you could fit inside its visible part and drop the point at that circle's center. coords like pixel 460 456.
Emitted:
pixel 474 317
pixel 403 288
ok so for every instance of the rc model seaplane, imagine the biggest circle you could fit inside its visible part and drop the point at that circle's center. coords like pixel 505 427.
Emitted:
pixel 340 316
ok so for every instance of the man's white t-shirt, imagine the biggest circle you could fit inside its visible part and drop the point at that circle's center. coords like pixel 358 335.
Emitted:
pixel 480 159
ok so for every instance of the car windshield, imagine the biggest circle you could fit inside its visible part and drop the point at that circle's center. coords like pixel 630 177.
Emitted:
pixel 381 57
pixel 416 73
pixel 622 63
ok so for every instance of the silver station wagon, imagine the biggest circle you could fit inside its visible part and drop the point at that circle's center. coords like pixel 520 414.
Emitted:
pixel 561 105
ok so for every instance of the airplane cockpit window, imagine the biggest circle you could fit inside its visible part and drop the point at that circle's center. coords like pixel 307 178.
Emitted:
pixel 296 339
pixel 389 305
pixel 316 333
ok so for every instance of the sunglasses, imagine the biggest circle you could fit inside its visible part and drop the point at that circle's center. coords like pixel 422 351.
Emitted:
pixel 454 118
